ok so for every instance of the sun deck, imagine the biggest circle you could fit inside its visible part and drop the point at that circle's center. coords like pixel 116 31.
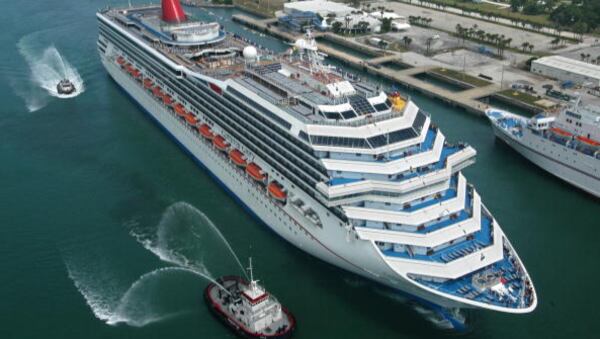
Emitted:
pixel 291 83
pixel 503 284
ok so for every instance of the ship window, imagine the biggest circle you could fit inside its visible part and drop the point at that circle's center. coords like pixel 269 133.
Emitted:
pixel 348 114
pixel 303 136
pixel 381 107
pixel 332 115
pixel 377 141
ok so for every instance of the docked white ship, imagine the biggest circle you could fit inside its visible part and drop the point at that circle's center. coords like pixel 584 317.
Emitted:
pixel 566 145
pixel 355 176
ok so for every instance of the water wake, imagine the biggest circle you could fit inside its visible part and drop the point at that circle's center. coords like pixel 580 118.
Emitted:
pixel 46 67
pixel 183 238
pixel 139 305
pixel 186 237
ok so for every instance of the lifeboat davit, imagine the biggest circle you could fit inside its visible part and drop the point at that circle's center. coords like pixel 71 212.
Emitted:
pixel 148 83
pixel 191 119
pixel 180 110
pixel 238 158
pixel 256 172
pixel 220 143
pixel 206 132
pixel 276 191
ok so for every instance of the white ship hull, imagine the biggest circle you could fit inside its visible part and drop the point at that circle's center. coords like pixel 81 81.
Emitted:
pixel 556 159
pixel 331 243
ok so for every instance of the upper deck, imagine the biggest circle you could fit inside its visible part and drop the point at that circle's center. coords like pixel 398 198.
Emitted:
pixel 296 81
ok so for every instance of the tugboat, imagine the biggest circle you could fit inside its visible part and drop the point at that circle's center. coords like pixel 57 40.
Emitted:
pixel 65 87
pixel 248 309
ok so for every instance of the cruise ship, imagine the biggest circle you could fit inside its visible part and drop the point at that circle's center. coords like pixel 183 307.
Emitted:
pixel 566 145
pixel 347 172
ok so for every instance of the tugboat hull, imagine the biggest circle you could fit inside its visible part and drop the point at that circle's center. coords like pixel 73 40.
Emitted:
pixel 65 87
pixel 237 327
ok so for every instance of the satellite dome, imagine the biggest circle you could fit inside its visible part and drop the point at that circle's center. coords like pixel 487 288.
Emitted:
pixel 250 53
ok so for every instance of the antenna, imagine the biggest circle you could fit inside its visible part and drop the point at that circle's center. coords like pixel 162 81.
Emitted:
pixel 250 269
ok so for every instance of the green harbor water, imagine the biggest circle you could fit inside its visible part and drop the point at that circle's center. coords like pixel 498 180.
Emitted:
pixel 105 222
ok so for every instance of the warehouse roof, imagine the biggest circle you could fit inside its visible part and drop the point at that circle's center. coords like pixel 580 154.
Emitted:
pixel 570 65
pixel 319 6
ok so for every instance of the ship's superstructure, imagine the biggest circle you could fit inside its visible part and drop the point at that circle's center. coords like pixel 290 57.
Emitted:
pixel 356 176
pixel 248 309
pixel 566 145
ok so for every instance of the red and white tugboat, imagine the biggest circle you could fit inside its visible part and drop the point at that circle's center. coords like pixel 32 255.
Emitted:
pixel 248 309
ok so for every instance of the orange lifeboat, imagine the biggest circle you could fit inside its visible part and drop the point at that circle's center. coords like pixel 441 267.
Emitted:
pixel 561 132
pixel 206 132
pixel 147 83
pixel 156 91
pixel 167 100
pixel 180 110
pixel 136 73
pixel 120 60
pixel 276 191
pixel 191 119
pixel 220 143
pixel 238 158
pixel 588 141
pixel 256 172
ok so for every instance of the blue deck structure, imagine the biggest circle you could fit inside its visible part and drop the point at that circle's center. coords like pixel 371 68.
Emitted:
pixel 447 151
pixel 448 194
pixel 480 239
pixel 516 293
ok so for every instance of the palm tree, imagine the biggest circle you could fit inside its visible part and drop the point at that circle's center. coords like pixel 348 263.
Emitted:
pixel 428 43
pixel 336 26
pixel 347 19
pixel 524 46
pixel 530 48
pixel 582 55
pixel 382 44
pixel 363 26
pixel 480 33
pixel 407 41
pixel 470 32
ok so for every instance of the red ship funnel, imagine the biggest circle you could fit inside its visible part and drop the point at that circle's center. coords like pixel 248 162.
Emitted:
pixel 172 11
